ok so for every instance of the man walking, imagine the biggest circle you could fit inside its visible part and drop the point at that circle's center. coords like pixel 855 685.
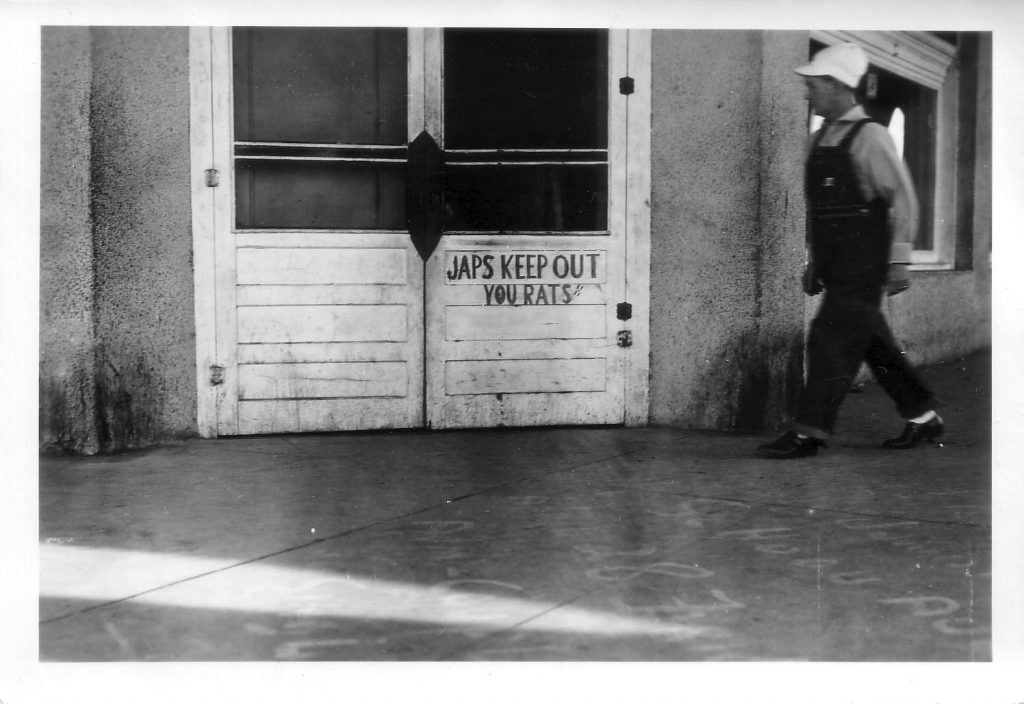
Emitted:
pixel 862 212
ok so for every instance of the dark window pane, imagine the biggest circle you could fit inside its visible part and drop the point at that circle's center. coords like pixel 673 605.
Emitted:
pixel 287 194
pixel 919 105
pixel 528 89
pixel 320 85
pixel 539 198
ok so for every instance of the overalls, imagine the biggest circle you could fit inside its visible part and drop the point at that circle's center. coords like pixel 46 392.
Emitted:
pixel 849 242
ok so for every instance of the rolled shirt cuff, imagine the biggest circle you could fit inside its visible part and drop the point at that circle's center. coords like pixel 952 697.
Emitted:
pixel 899 253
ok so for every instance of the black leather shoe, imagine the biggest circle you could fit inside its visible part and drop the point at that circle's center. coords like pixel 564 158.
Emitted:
pixel 913 433
pixel 790 446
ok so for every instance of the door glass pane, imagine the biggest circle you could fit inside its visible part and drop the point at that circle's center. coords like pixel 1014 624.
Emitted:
pixel 317 195
pixel 526 130
pixel 320 127
pixel 320 85
pixel 532 198
pixel 525 89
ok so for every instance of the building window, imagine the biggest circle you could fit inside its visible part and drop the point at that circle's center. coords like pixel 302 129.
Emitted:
pixel 908 109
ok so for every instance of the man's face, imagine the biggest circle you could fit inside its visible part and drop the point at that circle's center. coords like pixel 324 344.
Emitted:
pixel 821 92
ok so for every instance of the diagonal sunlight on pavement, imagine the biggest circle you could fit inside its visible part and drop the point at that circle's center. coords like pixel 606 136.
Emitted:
pixel 108 574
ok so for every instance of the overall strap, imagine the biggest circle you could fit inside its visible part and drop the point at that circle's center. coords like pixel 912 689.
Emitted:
pixel 849 136
pixel 816 138
pixel 844 144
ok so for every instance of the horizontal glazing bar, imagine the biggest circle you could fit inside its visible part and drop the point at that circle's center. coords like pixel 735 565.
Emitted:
pixel 304 145
pixel 322 151
pixel 526 156
pixel 317 231
pixel 527 151
pixel 530 233
pixel 352 159
pixel 526 163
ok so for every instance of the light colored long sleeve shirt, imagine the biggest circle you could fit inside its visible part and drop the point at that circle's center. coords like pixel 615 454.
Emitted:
pixel 880 173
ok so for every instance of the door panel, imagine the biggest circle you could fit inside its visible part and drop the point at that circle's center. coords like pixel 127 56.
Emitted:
pixel 521 292
pixel 313 415
pixel 523 376
pixel 322 265
pixel 328 290
pixel 322 380
pixel 468 323
pixel 322 323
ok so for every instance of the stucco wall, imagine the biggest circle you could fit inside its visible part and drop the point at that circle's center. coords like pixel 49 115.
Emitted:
pixel 145 329
pixel 943 316
pixel 66 390
pixel 117 346
pixel 727 227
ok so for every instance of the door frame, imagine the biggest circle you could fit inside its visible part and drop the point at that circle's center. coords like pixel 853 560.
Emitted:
pixel 636 374
pixel 213 258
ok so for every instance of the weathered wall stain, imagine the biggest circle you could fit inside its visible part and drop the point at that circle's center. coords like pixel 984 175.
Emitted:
pixel 66 300
pixel 66 405
pixel 124 405
pixel 769 384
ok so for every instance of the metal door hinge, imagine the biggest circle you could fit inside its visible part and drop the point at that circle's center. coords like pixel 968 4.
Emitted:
pixel 626 85
pixel 212 178
pixel 625 338
pixel 216 375
pixel 871 85
pixel 624 311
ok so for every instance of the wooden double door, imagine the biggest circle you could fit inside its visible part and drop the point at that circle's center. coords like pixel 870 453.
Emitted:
pixel 415 227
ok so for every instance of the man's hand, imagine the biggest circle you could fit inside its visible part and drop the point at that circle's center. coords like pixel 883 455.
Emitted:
pixel 812 284
pixel 898 280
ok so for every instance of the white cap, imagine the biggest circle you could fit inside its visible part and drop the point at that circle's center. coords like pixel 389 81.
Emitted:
pixel 846 63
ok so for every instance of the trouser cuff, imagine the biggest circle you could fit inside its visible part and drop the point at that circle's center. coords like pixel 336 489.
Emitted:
pixel 811 432
pixel 920 408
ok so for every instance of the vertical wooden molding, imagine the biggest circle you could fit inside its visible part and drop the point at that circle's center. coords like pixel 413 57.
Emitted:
pixel 944 211
pixel 967 123
pixel 203 241
pixel 618 204
pixel 638 227
pixel 433 311
pixel 416 121
pixel 223 197
pixel 433 76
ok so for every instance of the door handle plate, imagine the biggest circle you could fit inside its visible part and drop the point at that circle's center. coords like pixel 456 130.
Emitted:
pixel 424 194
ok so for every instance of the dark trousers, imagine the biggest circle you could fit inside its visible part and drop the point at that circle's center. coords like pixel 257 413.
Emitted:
pixel 850 329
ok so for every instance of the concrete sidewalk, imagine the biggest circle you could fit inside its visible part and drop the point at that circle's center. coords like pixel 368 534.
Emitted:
pixel 534 544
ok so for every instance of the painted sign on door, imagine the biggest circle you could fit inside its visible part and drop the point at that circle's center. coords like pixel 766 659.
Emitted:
pixel 527 278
